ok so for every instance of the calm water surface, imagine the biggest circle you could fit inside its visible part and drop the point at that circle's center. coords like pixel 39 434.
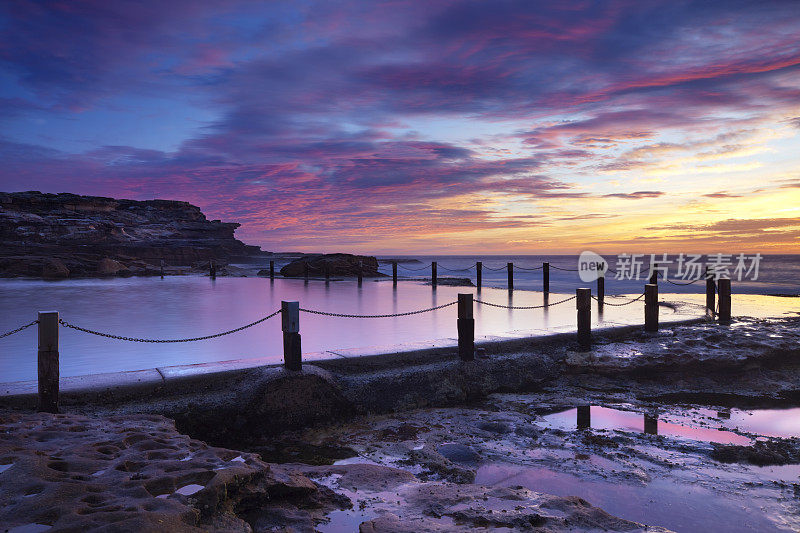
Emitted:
pixel 191 306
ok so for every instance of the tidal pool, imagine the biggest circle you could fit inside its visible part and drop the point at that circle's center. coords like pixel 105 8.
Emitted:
pixel 190 306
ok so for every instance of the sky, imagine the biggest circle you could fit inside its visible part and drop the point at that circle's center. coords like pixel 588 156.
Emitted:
pixel 419 127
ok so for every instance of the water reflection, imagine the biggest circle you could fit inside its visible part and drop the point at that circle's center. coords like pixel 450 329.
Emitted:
pixel 586 417
pixel 651 424
pixel 198 305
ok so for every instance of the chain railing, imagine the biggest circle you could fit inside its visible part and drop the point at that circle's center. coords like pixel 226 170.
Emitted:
pixel 390 315
pixel 521 307
pixel 191 339
pixel 425 267
pixel 17 330
pixel 458 269
pixel 619 304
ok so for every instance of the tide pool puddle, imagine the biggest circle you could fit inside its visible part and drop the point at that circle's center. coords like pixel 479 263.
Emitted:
pixel 597 417
pixel 344 521
pixel 660 502
pixel 784 423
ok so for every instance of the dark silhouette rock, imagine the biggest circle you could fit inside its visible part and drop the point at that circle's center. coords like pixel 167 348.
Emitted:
pixel 94 236
pixel 334 264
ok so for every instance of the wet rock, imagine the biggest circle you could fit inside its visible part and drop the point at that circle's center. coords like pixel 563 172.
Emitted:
pixel 459 453
pixel 137 473
pixel 437 465
pixel 761 453
pixel 473 506
pixel 496 427
pixel 334 265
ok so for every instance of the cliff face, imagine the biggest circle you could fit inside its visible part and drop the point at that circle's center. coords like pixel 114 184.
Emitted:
pixel 41 235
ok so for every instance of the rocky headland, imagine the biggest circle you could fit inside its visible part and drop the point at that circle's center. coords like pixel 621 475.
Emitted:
pixel 66 235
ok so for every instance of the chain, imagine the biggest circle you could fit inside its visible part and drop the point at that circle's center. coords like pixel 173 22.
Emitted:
pixel 342 315
pixel 683 284
pixel 495 269
pixel 134 339
pixel 426 267
pixel 524 268
pixel 564 269
pixel 8 333
pixel 620 305
pixel 457 269
pixel 527 306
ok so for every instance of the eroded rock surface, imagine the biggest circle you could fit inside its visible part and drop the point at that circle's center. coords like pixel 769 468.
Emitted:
pixel 137 473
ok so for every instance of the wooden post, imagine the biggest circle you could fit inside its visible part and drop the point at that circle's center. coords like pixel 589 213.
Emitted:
pixel 434 281
pixel 272 270
pixel 584 306
pixel 394 273
pixel 651 307
pixel 360 272
pixel 711 293
pixel 510 267
pixel 305 271
pixel 162 269
pixel 212 270
pixel 653 273
pixel 545 277
pixel 584 417
pixel 479 271
pixel 601 290
pixel 290 324
pixel 466 328
pixel 724 285
pixel 48 361
pixel 327 269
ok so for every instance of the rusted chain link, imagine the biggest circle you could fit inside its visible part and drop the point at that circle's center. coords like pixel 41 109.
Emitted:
pixel 344 315
pixel 134 339
pixel 9 333
pixel 620 305
pixel 526 306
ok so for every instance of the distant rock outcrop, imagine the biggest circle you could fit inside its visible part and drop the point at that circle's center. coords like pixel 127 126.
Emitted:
pixel 334 264
pixel 69 235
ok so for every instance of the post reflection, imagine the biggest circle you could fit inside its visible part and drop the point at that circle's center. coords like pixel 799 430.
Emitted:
pixel 584 417
pixel 546 311
pixel 651 424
